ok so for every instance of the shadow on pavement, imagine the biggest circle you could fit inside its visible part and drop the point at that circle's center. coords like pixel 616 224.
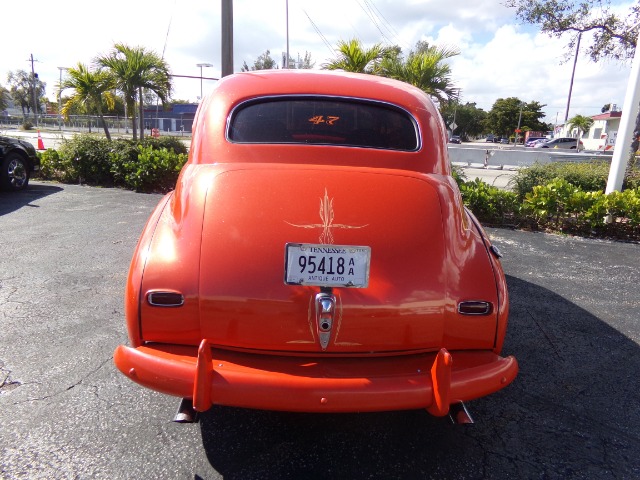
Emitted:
pixel 571 413
pixel 11 201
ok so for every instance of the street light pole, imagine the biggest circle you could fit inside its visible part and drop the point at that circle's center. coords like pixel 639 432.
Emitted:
pixel 202 65
pixel 515 141
pixel 60 98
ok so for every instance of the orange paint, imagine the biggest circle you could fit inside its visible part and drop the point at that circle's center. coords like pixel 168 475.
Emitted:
pixel 242 336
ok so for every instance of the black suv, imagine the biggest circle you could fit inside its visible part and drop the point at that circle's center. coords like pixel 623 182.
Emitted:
pixel 18 160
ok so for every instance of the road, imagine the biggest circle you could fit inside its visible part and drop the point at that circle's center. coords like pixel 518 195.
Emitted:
pixel 65 411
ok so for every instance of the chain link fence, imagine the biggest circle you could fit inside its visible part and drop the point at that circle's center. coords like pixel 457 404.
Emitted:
pixel 173 125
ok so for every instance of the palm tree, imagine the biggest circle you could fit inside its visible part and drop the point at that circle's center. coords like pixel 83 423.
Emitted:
pixel 582 123
pixel 90 89
pixel 426 70
pixel 135 69
pixel 354 57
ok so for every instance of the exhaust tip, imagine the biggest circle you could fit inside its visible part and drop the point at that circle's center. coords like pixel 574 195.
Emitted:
pixel 186 413
pixel 459 415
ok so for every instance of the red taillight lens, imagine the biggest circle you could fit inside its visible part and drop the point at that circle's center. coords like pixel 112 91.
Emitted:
pixel 165 299
pixel 475 307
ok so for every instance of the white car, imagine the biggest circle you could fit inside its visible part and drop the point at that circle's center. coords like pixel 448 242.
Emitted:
pixel 560 142
pixel 533 140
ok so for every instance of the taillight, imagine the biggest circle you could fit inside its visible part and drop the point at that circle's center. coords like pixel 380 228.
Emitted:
pixel 165 299
pixel 475 307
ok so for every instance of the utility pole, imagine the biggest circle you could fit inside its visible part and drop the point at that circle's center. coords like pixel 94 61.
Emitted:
pixel 33 87
pixel 515 141
pixel 227 38
pixel 286 62
pixel 573 73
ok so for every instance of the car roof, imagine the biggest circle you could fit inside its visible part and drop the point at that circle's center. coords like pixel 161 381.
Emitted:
pixel 209 142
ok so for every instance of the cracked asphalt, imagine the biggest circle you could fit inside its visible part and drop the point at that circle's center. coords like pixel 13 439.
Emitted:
pixel 65 412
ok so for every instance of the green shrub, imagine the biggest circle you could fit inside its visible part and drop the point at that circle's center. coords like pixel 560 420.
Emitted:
pixel 458 175
pixel 85 159
pixel 173 144
pixel 558 206
pixel 150 166
pixel 561 206
pixel 152 171
pixel 556 203
pixel 632 178
pixel 491 205
pixel 590 176
pixel 50 167
pixel 123 154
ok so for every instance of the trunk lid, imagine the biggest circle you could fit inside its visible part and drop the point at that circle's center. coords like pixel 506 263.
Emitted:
pixel 250 215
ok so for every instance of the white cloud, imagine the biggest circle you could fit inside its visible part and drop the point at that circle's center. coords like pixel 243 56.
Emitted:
pixel 498 58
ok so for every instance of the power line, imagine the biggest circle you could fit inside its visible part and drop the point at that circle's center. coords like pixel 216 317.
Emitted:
pixel 369 14
pixel 390 28
pixel 322 37
pixel 166 38
pixel 379 21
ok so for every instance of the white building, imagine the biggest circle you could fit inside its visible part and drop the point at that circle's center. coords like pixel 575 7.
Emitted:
pixel 602 134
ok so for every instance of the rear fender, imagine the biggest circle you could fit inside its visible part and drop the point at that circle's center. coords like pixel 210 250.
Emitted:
pixel 136 269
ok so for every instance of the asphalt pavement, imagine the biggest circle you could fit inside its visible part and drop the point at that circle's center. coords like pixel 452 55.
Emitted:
pixel 65 411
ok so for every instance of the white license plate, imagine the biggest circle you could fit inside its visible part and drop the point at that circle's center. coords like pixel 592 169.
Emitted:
pixel 327 265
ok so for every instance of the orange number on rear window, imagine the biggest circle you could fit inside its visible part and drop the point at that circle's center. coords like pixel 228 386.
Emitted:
pixel 318 119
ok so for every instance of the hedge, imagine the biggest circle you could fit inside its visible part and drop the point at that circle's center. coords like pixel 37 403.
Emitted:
pixel 151 165
pixel 561 197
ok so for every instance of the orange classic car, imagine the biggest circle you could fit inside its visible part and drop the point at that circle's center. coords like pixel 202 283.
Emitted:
pixel 316 256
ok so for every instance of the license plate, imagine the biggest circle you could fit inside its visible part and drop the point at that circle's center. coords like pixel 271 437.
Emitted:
pixel 327 265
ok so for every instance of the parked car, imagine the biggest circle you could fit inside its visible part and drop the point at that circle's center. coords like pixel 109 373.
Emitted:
pixel 490 139
pixel 455 139
pixel 560 142
pixel 532 140
pixel 316 256
pixel 504 140
pixel 18 160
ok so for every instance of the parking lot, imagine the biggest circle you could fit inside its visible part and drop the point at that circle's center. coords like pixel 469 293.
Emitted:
pixel 65 412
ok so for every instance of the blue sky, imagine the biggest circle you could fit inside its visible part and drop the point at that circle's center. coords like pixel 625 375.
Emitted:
pixel 499 57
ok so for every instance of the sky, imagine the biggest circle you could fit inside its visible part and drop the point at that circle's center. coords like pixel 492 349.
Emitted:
pixel 499 57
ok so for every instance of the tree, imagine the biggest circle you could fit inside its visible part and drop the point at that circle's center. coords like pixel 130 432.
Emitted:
pixel 469 119
pixel 4 98
pixel 304 63
pixel 503 117
pixel 582 123
pixel 135 69
pixel 613 37
pixel 22 86
pixel 90 88
pixel 425 68
pixel 263 62
pixel 354 57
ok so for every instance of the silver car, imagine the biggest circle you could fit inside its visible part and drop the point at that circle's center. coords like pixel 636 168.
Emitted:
pixel 560 142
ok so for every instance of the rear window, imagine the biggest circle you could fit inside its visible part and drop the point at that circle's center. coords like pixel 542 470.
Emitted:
pixel 323 121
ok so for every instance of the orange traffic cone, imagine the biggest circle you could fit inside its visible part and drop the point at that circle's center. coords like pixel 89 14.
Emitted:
pixel 40 142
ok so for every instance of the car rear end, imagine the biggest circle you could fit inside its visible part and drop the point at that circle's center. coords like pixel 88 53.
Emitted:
pixel 315 271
